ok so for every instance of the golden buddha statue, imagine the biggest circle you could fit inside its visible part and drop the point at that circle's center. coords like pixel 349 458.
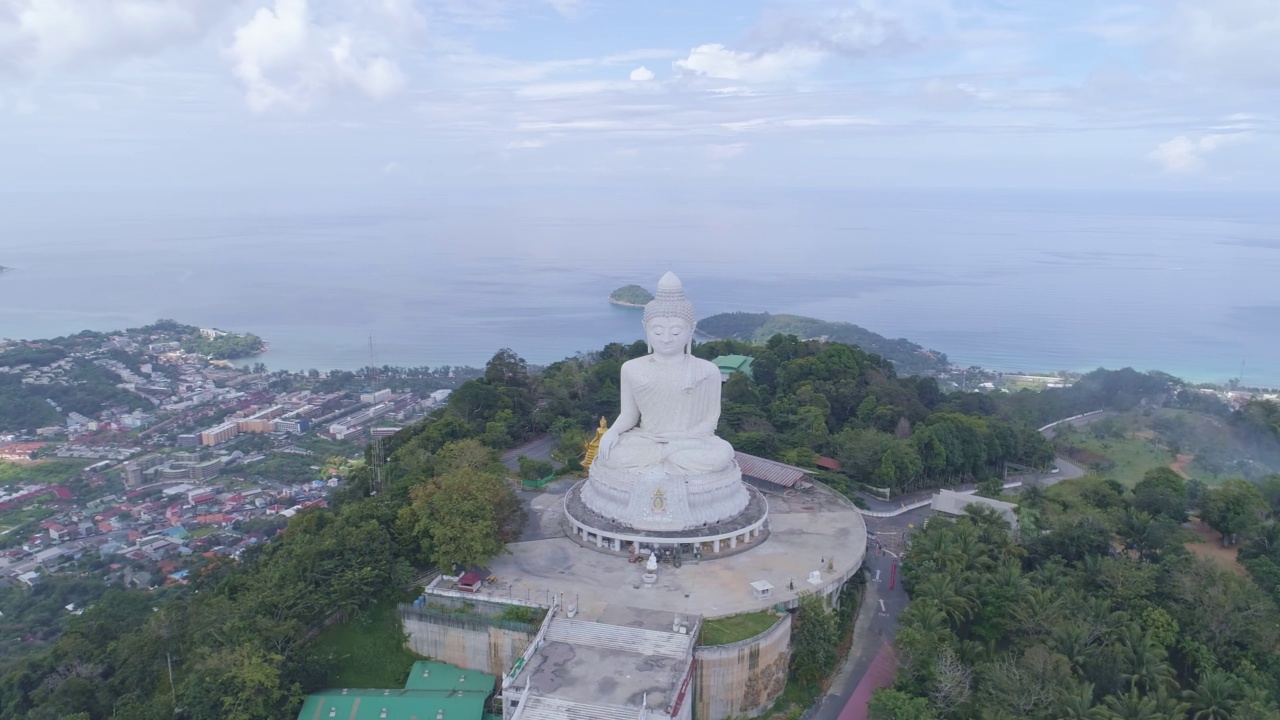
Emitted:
pixel 592 446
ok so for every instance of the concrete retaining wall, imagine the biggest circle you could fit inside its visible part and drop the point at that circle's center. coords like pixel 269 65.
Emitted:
pixel 470 642
pixel 742 679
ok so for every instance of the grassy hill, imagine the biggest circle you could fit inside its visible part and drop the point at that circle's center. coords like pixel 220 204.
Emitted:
pixel 1195 444
pixel 907 357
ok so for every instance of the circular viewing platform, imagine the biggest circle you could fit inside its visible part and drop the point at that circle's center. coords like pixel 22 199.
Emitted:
pixel 591 529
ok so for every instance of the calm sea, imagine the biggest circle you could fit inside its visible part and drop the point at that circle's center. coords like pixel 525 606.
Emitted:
pixel 1014 281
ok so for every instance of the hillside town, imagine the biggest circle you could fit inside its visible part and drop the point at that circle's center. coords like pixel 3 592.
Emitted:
pixel 184 459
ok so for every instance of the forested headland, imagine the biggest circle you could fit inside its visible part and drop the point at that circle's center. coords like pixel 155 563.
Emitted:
pixel 908 357
pixel 227 346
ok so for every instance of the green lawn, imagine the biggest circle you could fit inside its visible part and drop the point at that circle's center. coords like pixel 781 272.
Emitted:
pixel 725 630
pixel 369 651
pixel 1132 455
pixel 44 471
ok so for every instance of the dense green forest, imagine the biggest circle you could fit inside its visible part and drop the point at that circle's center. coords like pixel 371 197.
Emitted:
pixel 907 357
pixel 1095 609
pixel 811 398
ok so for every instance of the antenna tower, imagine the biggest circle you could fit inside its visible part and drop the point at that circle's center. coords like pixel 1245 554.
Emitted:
pixel 377 440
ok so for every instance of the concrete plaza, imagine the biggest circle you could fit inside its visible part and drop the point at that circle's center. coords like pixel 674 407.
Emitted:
pixel 810 530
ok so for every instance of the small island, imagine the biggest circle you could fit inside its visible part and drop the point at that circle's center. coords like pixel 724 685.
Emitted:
pixel 630 296
pixel 4 269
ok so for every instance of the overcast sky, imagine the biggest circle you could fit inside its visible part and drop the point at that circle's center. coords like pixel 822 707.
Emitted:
pixel 140 94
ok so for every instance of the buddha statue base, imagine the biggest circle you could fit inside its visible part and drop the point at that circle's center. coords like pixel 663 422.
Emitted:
pixel 655 500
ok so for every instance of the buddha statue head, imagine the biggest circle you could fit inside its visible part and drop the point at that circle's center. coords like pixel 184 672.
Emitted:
pixel 669 320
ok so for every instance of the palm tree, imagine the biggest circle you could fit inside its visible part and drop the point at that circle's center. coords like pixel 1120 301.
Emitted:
pixel 1168 704
pixel 1073 642
pixel 1131 706
pixel 1052 574
pixel 1077 703
pixel 968 545
pixel 950 597
pixel 1008 576
pixel 1147 661
pixel 935 546
pixel 926 615
pixel 1036 609
pixel 1214 696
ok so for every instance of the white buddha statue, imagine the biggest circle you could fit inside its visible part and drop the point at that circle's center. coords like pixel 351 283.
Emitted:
pixel 661 458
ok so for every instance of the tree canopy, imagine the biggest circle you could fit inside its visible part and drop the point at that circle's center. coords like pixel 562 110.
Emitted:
pixel 1099 613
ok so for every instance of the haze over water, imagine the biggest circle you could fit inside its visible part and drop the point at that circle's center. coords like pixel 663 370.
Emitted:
pixel 1012 281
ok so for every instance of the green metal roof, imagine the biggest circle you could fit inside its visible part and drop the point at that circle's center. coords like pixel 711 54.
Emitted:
pixel 393 705
pixel 432 675
pixel 730 363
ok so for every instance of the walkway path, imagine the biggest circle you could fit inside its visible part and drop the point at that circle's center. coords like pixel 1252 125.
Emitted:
pixel 879 675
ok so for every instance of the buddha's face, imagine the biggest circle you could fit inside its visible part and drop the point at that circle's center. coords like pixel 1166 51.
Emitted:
pixel 667 335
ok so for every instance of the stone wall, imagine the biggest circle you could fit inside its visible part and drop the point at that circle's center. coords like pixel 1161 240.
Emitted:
pixel 742 679
pixel 472 642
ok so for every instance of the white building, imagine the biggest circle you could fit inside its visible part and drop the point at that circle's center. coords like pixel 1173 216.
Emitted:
pixel 950 502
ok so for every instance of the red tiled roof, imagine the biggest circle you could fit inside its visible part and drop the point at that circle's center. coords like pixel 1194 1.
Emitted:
pixel 827 463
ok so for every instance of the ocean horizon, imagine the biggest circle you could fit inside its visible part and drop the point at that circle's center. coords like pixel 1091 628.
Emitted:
pixel 1007 281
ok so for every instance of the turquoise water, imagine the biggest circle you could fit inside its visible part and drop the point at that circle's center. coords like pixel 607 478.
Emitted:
pixel 1014 281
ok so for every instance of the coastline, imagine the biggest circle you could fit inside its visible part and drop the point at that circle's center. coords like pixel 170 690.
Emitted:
pixel 623 303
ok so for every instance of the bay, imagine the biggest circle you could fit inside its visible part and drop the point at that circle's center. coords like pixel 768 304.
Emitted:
pixel 1004 280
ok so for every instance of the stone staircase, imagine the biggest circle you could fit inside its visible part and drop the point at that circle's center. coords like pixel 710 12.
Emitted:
pixel 618 637
pixel 545 708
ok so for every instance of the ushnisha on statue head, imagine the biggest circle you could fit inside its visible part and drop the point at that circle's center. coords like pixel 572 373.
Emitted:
pixel 669 319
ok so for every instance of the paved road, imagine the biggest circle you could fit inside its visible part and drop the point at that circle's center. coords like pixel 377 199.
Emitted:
pixel 1078 421
pixel 539 525
pixel 536 449
pixel 875 626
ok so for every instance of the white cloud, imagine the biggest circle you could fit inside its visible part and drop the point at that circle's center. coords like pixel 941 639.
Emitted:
pixel 950 95
pixel 526 144
pixel 377 77
pixel 391 168
pixel 641 74
pixel 567 8
pixel 273 40
pixel 1237 40
pixel 1183 155
pixel 801 123
pixel 567 89
pixel 852 31
pixel 720 153
pixel 283 58
pixel 43 35
pixel 792 45
pixel 716 61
